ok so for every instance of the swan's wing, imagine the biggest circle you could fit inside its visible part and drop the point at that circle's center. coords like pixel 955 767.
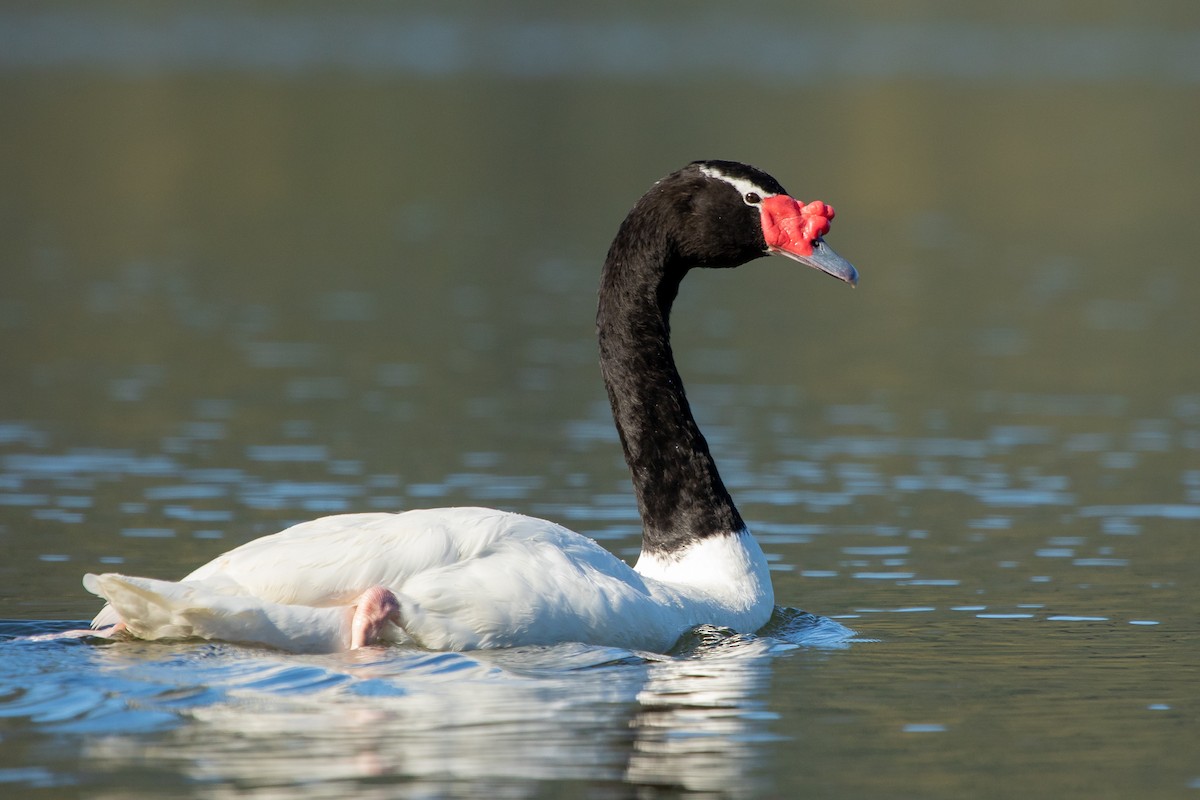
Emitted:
pixel 554 587
pixel 331 560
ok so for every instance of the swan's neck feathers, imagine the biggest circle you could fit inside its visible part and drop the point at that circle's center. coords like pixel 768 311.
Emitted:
pixel 728 571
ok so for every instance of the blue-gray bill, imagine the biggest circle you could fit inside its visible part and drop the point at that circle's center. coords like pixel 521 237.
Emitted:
pixel 825 259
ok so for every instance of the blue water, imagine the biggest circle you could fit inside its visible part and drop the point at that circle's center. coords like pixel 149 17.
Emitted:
pixel 218 717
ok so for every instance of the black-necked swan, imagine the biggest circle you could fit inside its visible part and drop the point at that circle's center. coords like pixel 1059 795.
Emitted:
pixel 465 578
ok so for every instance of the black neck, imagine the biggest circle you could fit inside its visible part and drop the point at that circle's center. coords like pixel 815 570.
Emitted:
pixel 680 494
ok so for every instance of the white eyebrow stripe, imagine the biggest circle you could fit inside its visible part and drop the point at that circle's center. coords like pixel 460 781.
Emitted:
pixel 743 185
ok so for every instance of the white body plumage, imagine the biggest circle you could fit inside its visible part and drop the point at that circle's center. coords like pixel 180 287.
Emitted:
pixel 466 578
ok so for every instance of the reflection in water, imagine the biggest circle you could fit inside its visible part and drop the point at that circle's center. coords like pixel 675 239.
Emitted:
pixel 242 721
pixel 700 723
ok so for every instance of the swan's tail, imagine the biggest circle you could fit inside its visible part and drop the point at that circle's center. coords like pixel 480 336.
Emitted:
pixel 154 609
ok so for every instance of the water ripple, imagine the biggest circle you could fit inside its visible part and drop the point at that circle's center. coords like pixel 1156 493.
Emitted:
pixel 257 718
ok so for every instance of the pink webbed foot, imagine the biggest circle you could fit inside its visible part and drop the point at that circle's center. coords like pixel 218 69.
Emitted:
pixel 109 631
pixel 374 609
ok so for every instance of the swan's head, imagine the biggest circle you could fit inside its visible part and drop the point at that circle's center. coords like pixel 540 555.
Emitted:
pixel 735 213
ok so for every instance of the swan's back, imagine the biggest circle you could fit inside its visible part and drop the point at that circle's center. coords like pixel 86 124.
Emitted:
pixel 328 561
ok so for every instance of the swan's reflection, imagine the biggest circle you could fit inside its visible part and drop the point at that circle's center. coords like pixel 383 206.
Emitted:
pixel 701 722
pixel 389 722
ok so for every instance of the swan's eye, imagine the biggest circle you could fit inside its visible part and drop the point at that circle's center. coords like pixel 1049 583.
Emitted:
pixel 752 198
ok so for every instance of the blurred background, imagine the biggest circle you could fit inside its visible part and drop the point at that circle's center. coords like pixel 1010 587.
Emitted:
pixel 263 261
